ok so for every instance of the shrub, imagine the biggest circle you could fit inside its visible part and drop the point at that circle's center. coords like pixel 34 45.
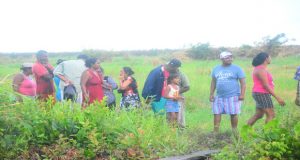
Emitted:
pixel 202 51
pixel 276 140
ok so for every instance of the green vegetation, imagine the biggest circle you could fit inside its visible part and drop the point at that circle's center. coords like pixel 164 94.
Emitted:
pixel 45 131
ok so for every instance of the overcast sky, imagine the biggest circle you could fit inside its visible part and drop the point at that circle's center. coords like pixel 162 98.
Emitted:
pixel 74 25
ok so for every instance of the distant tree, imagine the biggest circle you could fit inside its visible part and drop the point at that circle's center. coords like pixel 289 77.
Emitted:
pixel 101 54
pixel 201 51
pixel 271 45
pixel 245 50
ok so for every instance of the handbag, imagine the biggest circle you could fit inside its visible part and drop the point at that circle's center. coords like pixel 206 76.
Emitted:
pixel 70 92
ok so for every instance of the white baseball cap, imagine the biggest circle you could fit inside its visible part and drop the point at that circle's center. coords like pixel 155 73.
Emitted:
pixel 225 54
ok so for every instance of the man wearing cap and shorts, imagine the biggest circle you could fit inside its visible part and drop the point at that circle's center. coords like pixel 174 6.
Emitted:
pixel 229 81
pixel 156 83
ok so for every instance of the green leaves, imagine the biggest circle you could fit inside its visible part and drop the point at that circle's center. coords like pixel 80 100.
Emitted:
pixel 276 140
pixel 46 130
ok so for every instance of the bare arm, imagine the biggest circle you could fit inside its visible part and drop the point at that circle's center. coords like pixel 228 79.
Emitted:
pixel 18 79
pixel 63 78
pixel 212 89
pixel 124 85
pixel 184 89
pixel 243 88
pixel 262 76
pixel 47 77
pixel 59 72
pixel 84 78
pixel 50 74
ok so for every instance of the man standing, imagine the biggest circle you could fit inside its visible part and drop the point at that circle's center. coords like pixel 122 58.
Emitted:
pixel 70 73
pixel 184 86
pixel 43 73
pixel 156 83
pixel 229 80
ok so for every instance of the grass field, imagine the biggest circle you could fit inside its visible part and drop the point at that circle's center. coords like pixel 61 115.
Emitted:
pixel 198 111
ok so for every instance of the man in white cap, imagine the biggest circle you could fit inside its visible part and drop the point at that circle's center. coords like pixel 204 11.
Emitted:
pixel 229 81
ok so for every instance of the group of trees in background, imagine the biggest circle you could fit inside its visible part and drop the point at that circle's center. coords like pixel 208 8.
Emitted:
pixel 275 46
pixel 272 45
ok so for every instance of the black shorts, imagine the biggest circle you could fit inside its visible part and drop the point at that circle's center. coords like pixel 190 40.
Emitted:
pixel 263 100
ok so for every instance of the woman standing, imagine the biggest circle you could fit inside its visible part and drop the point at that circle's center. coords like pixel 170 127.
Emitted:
pixel 128 88
pixel 23 84
pixel 91 82
pixel 263 89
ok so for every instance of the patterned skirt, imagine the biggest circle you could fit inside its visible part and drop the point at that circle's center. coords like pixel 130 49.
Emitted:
pixel 130 101
pixel 263 100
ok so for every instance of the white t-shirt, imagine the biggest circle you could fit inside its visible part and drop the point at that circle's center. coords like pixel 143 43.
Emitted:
pixel 72 70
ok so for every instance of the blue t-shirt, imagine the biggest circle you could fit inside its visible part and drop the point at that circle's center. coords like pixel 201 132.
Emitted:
pixel 227 80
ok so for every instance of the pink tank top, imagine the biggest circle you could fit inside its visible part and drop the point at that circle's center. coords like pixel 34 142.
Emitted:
pixel 257 83
pixel 27 87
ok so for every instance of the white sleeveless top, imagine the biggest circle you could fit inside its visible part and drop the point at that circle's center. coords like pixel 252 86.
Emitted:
pixel 174 92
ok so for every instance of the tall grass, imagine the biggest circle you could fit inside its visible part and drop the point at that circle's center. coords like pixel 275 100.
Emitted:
pixel 118 131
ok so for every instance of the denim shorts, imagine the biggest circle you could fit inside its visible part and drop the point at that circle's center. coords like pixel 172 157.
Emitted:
pixel 172 106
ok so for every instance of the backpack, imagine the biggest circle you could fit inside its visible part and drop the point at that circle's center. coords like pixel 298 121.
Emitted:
pixel 297 74
pixel 70 92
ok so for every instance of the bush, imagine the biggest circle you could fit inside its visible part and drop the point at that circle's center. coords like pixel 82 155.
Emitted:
pixel 202 51
pixel 33 129
pixel 275 141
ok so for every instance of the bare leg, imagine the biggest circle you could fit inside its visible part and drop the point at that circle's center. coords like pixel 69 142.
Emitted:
pixel 234 121
pixel 258 115
pixel 181 114
pixel 270 114
pixel 173 118
pixel 169 117
pixel 176 119
pixel 217 121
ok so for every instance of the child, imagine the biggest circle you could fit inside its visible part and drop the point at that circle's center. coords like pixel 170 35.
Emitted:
pixel 172 96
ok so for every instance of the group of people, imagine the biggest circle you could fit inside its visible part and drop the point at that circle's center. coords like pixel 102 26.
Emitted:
pixel 83 81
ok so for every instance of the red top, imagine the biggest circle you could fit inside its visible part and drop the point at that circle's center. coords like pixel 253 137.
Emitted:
pixel 45 88
pixel 27 87
pixel 166 76
pixel 94 87
pixel 257 83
